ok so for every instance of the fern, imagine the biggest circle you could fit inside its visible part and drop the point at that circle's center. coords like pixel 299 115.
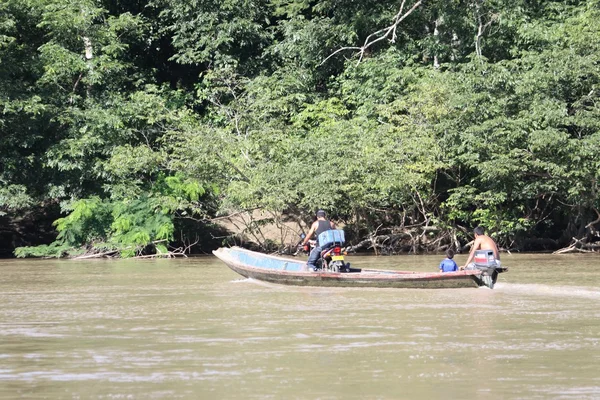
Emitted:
pixel 96 225
pixel 161 249
pixel 165 231
pixel 55 250
pixel 130 226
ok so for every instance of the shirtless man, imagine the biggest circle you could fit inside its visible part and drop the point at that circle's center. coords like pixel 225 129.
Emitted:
pixel 482 242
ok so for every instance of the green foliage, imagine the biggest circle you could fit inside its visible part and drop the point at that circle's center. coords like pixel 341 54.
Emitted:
pixel 13 197
pixel 97 225
pixel 131 226
pixel 133 116
pixel 87 222
pixel 52 251
pixel 226 32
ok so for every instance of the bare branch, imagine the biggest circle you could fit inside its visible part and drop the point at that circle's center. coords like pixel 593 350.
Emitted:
pixel 337 51
pixel 482 27
pixel 591 224
pixel 96 255
pixel 379 35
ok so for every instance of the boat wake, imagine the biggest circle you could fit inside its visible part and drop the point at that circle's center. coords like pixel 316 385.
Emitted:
pixel 255 282
pixel 548 290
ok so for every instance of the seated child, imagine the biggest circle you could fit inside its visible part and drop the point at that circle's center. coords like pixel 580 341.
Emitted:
pixel 448 264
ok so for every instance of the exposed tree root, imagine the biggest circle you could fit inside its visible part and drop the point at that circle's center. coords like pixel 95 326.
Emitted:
pixel 114 253
pixel 170 254
pixel 110 253
pixel 579 246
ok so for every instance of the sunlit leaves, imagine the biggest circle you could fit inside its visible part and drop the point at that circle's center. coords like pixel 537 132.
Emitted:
pixel 220 32
pixel 13 197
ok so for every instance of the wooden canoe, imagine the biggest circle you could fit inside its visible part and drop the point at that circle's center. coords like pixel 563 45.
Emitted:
pixel 288 271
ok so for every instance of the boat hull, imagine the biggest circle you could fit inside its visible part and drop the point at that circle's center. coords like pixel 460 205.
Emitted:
pixel 286 271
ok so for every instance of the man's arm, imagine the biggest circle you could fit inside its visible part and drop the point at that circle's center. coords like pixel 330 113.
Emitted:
pixel 312 230
pixel 476 245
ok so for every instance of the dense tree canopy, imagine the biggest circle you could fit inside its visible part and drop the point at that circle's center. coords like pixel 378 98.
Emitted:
pixel 135 124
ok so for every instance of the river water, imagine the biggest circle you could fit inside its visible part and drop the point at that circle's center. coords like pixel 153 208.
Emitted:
pixel 191 328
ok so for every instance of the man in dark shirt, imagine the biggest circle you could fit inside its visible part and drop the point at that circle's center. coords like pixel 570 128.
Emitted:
pixel 322 224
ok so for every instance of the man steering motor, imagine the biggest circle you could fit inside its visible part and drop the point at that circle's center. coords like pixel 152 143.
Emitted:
pixel 321 225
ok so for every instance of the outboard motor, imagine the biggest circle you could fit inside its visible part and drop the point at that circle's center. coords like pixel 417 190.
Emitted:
pixel 486 262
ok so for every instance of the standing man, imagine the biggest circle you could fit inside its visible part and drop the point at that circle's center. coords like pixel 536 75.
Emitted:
pixel 482 242
pixel 322 224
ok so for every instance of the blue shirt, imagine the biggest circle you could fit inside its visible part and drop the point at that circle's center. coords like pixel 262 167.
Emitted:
pixel 448 265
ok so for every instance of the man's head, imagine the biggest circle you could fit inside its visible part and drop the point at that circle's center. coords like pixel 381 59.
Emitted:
pixel 479 231
pixel 321 214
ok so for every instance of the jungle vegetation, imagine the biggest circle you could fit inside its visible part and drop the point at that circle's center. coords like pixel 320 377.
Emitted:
pixel 131 127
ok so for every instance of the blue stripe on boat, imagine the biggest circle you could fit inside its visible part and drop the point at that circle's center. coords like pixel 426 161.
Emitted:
pixel 261 261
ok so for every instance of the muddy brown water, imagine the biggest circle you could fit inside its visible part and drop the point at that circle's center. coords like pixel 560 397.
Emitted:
pixel 192 328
